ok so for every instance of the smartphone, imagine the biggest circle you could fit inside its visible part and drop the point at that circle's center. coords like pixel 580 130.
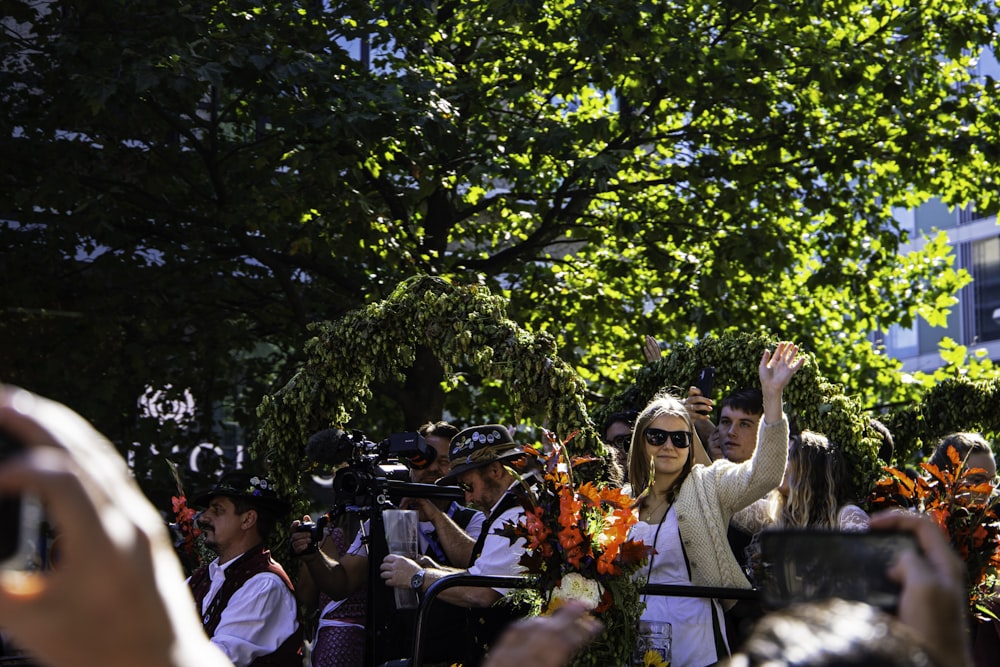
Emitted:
pixel 803 565
pixel 705 380
pixel 23 535
pixel 10 506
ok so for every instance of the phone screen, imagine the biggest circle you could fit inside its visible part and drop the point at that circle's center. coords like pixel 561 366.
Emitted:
pixel 10 506
pixel 803 565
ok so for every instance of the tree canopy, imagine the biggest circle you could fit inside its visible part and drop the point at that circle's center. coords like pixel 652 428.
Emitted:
pixel 187 186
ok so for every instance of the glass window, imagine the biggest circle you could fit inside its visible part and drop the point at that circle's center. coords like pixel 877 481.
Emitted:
pixel 901 343
pixel 905 218
pixel 929 336
pixel 986 288
pixel 933 214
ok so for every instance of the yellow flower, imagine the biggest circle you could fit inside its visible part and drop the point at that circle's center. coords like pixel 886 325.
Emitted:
pixel 654 659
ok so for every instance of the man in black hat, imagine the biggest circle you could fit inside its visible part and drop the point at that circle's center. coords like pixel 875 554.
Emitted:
pixel 246 600
pixel 480 458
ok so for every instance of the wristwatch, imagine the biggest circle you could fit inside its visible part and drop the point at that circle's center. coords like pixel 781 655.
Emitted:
pixel 417 581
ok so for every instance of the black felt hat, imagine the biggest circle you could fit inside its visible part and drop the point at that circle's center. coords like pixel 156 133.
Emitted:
pixel 477 446
pixel 256 489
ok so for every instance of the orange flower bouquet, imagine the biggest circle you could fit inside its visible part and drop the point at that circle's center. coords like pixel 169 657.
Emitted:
pixel 184 528
pixel 966 511
pixel 578 547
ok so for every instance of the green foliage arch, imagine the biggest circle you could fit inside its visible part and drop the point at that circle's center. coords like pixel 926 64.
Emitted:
pixel 466 326
pixel 811 401
pixel 955 404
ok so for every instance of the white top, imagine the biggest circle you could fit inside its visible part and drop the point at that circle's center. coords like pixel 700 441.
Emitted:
pixel 757 517
pixel 693 643
pixel 499 556
pixel 260 615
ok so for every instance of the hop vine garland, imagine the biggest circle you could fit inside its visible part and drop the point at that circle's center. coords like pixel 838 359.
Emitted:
pixel 467 328
pixel 811 401
pixel 956 404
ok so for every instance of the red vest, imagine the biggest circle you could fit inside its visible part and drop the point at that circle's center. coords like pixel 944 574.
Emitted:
pixel 254 561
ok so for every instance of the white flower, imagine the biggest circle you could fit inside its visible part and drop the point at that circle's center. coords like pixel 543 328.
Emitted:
pixel 575 586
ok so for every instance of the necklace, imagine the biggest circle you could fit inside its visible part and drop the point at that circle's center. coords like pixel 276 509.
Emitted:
pixel 650 512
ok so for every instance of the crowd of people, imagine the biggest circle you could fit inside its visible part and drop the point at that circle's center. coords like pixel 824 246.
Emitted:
pixel 705 489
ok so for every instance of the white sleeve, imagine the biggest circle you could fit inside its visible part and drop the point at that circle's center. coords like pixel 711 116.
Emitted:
pixel 357 548
pixel 475 525
pixel 499 557
pixel 259 617
pixel 754 517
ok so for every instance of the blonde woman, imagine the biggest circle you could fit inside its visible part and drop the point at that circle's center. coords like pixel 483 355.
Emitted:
pixel 812 494
pixel 685 507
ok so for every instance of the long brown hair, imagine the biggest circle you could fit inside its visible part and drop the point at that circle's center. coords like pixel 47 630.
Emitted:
pixel 639 462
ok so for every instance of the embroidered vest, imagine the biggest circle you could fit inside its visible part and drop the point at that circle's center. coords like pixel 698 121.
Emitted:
pixel 254 561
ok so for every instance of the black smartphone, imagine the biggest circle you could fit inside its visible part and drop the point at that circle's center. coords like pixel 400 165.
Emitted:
pixel 803 565
pixel 705 381
pixel 10 506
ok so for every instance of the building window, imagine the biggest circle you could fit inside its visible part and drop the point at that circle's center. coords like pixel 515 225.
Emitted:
pixel 986 288
pixel 934 214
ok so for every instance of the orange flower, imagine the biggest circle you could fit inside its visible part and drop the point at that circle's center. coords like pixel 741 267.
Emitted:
pixel 538 532
pixel 966 513
pixel 569 509
pixel 589 493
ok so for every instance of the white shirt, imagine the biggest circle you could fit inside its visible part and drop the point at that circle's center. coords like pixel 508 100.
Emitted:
pixel 499 556
pixel 690 618
pixel 260 615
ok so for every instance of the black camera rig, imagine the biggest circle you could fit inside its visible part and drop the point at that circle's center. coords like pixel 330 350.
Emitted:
pixel 371 477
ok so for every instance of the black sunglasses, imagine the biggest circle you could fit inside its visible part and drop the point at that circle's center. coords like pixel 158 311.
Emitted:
pixel 657 436
pixel 622 441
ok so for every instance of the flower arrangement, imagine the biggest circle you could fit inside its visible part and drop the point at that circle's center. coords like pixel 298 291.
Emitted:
pixel 966 511
pixel 184 521
pixel 578 547
pixel 185 528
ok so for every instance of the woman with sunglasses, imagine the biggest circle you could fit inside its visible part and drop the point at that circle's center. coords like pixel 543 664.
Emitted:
pixel 684 508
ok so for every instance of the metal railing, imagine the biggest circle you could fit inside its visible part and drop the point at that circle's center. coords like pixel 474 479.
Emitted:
pixel 490 581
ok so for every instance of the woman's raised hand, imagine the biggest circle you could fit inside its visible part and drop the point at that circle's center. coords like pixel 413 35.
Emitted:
pixel 776 370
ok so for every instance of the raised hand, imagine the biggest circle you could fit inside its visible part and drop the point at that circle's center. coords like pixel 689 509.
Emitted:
pixel 651 349
pixel 776 370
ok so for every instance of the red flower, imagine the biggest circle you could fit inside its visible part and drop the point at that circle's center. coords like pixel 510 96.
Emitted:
pixel 538 531
pixel 189 530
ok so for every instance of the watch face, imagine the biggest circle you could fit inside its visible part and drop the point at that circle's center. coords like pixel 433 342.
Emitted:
pixel 417 581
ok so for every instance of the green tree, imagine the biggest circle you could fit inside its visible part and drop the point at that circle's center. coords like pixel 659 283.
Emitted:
pixel 191 184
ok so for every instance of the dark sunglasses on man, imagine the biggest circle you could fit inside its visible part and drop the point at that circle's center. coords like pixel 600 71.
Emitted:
pixel 657 436
pixel 621 441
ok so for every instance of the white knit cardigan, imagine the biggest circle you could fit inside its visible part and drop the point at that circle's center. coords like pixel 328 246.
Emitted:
pixel 710 496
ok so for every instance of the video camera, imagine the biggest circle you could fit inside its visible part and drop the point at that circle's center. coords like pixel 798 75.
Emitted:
pixel 368 461
pixel 373 475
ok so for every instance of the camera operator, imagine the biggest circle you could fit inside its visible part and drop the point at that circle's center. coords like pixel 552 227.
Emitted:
pixel 481 457
pixel 337 576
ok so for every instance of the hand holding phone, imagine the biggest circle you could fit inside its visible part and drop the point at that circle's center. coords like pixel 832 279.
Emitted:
pixel 803 565
pixel 10 506
pixel 705 381
pixel 117 555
